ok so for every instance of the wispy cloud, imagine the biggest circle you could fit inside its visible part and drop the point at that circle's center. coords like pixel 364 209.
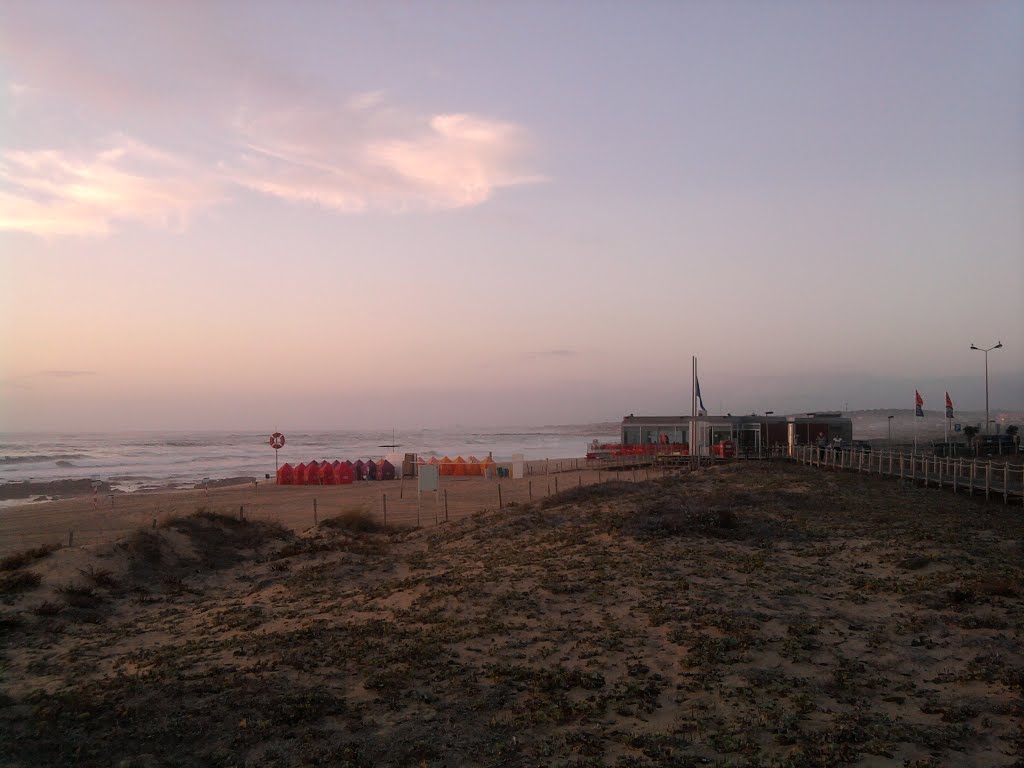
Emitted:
pixel 363 156
pixel 241 117
pixel 561 352
pixel 25 381
pixel 62 374
pixel 58 192
pixel 366 156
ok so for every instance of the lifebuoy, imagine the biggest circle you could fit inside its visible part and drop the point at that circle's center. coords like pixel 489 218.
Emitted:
pixel 277 441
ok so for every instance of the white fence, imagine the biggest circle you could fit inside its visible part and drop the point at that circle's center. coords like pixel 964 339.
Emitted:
pixel 993 478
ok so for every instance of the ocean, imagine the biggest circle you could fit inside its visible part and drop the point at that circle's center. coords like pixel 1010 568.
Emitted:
pixel 132 461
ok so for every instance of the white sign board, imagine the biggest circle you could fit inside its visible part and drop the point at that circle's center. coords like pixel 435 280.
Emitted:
pixel 428 478
pixel 517 465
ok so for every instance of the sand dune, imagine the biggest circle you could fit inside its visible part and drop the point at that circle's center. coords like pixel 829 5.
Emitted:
pixel 748 615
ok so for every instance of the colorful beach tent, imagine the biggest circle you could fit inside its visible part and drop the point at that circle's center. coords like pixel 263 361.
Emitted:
pixel 370 470
pixel 386 470
pixel 343 473
pixel 357 467
pixel 327 473
pixel 460 467
pixel 299 475
pixel 447 468
pixel 285 474
pixel 312 476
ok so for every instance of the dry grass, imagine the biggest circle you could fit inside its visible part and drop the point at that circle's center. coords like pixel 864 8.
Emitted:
pixel 27 557
pixel 18 581
pixel 354 522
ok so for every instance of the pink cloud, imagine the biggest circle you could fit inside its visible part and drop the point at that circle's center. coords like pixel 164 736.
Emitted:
pixel 55 192
pixel 367 156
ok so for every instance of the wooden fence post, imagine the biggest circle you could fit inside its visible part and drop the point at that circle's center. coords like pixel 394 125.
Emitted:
pixel 1006 487
pixel 529 485
pixel 988 478
pixel 500 505
pixel 71 538
pixel 556 483
pixel 316 521
pixel 973 475
pixel 446 505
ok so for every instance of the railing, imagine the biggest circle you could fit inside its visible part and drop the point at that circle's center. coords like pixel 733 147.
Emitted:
pixel 962 475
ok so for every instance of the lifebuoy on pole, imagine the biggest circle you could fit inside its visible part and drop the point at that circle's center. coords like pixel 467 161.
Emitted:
pixel 276 442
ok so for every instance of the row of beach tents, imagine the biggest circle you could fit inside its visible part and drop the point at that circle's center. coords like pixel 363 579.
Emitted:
pixel 345 472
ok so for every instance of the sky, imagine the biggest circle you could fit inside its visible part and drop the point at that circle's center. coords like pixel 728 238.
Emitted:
pixel 236 215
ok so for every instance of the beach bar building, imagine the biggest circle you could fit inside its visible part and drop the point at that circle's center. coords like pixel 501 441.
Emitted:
pixel 751 434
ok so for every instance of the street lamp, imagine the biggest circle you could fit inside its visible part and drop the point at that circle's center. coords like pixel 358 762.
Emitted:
pixel 890 433
pixel 986 351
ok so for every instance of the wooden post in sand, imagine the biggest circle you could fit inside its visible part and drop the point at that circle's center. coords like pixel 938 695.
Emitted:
pixel 530 486
pixel 384 503
pixel 988 479
pixel 580 478
pixel 315 520
pixel 556 484
pixel 500 505
pixel 446 505
pixel 71 538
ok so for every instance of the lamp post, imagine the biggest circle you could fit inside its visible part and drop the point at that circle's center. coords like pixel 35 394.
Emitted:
pixel 986 351
pixel 890 433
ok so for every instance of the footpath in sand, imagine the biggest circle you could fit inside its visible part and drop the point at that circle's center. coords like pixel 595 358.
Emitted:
pixel 769 615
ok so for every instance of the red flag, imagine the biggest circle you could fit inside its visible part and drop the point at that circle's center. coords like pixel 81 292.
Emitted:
pixel 918 404
pixel 949 407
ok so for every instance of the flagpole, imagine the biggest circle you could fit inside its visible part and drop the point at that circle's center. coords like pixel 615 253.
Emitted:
pixel 693 408
pixel 918 414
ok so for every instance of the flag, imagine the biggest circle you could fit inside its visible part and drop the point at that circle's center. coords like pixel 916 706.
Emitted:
pixel 949 407
pixel 702 411
pixel 918 404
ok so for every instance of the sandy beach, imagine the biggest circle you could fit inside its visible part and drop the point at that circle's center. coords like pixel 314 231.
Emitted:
pixel 104 518
pixel 752 614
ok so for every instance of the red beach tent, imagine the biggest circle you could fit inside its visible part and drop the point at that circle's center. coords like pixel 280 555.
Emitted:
pixel 285 475
pixel 343 473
